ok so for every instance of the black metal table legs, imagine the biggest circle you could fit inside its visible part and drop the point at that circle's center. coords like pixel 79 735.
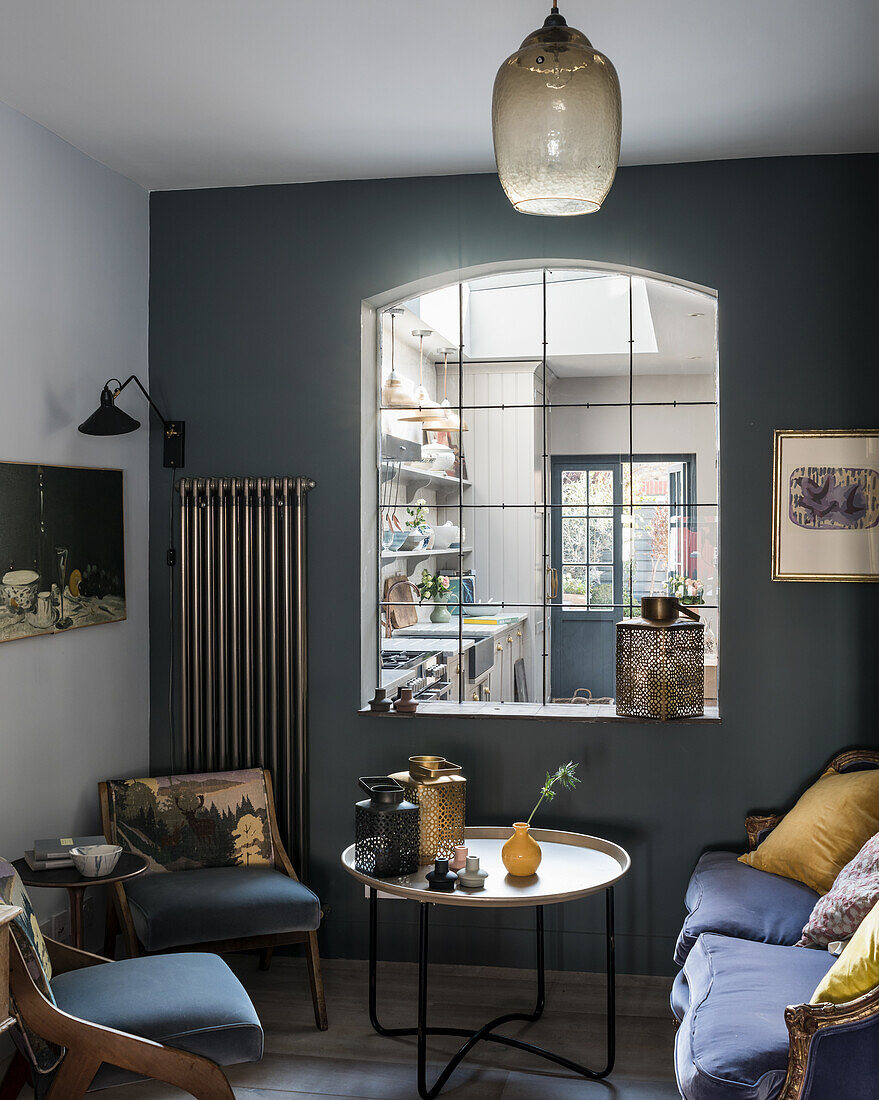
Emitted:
pixel 487 1032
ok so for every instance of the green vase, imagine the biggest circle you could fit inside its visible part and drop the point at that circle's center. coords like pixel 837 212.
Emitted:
pixel 440 614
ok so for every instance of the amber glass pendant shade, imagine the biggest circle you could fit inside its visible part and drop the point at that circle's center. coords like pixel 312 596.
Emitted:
pixel 556 120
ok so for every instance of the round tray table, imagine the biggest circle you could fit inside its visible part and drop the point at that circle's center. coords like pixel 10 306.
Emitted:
pixel 573 866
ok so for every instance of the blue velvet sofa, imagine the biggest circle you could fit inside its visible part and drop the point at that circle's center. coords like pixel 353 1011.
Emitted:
pixel 745 1027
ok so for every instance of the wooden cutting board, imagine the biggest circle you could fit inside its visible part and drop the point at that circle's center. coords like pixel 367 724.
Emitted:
pixel 403 611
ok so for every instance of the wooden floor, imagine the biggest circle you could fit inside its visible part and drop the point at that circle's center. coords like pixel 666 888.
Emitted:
pixel 351 1061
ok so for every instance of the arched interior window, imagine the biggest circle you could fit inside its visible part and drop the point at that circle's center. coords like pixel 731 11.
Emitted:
pixel 542 450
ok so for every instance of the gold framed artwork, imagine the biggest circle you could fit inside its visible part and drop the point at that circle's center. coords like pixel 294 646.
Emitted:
pixel 825 506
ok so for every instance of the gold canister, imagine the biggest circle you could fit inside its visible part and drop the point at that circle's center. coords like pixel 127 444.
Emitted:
pixel 439 790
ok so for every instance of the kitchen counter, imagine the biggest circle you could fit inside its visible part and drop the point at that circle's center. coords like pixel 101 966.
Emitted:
pixel 400 643
pixel 450 630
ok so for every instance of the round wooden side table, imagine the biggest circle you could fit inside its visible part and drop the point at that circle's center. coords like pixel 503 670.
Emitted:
pixel 573 866
pixel 69 879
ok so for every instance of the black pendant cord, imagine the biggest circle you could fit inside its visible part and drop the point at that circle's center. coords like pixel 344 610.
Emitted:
pixel 487 1031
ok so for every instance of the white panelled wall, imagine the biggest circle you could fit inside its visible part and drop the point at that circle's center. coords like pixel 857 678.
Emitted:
pixel 503 450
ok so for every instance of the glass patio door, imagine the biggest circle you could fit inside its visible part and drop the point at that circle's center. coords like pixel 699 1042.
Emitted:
pixel 620 531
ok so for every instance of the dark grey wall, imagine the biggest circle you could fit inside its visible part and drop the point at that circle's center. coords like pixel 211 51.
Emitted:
pixel 255 340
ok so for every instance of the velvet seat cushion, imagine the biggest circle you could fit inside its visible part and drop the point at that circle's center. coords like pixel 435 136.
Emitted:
pixel 219 903
pixel 733 1041
pixel 680 995
pixel 191 1001
pixel 734 899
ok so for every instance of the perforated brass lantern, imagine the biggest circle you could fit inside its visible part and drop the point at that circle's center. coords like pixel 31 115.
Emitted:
pixel 661 662
pixel 439 790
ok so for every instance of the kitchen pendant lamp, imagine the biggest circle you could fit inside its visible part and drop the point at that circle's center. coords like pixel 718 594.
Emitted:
pixel 395 391
pixel 443 419
pixel 556 119
pixel 421 395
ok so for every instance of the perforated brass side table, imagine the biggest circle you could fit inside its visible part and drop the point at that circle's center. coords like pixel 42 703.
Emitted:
pixel 573 866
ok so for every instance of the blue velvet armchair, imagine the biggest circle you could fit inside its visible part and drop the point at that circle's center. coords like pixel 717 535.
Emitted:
pixel 83 1023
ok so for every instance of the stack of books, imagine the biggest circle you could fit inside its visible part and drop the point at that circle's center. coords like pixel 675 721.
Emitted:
pixel 50 855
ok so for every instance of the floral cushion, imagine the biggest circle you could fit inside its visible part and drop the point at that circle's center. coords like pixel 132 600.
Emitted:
pixel 183 822
pixel 838 914
pixel 26 929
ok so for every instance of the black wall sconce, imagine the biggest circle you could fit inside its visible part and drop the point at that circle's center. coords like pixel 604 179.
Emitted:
pixel 108 420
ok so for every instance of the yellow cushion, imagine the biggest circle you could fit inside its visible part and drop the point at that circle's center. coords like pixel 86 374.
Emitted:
pixel 856 971
pixel 829 825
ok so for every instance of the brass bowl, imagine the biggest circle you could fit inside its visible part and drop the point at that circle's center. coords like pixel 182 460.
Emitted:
pixel 432 767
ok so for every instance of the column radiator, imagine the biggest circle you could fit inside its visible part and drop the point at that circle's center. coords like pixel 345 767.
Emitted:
pixel 243 661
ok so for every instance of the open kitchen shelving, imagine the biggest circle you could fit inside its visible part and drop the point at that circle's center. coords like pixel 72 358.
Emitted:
pixel 427 478
pixel 390 554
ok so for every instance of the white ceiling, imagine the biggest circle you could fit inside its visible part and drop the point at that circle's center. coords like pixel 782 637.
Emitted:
pixel 200 93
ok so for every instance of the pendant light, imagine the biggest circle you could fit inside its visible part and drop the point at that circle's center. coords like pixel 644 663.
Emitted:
pixel 442 418
pixel 556 119
pixel 421 395
pixel 395 392
pixel 449 422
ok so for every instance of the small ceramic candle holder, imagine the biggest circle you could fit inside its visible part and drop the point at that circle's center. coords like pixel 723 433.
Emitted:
pixel 441 878
pixel 459 859
pixel 471 877
pixel 405 704
pixel 380 704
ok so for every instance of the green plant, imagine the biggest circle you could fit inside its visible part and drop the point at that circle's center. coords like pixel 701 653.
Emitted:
pixel 566 775
pixel 433 587
pixel 417 512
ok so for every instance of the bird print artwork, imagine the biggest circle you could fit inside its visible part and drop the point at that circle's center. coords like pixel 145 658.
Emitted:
pixel 828 498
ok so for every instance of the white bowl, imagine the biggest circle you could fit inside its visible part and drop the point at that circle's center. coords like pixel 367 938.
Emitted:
pixel 445 535
pixel 95 860
pixel 436 456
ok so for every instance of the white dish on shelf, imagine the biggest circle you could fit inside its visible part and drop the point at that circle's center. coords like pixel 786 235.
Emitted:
pixel 437 457
pixel 445 535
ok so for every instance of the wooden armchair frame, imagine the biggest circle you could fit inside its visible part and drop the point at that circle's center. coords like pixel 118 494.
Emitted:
pixel 88 1045
pixel 805 1021
pixel 119 915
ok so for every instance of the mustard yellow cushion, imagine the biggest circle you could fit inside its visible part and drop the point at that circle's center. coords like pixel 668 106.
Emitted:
pixel 828 826
pixel 856 971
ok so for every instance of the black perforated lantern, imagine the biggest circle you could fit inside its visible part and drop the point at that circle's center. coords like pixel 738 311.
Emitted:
pixel 386 830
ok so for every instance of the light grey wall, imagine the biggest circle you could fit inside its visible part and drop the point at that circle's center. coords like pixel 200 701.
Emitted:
pixel 74 256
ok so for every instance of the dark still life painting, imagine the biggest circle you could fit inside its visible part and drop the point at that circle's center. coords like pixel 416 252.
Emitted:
pixel 62 555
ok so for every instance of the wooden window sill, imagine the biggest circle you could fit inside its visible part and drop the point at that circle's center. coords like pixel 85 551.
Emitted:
pixel 548 712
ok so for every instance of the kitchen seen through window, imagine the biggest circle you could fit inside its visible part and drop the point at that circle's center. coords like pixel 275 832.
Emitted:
pixel 547 455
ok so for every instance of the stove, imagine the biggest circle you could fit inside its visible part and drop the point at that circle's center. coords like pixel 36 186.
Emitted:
pixel 404 658
pixel 428 675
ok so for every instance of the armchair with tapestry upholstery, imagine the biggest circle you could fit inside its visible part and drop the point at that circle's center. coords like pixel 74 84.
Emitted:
pixel 218 877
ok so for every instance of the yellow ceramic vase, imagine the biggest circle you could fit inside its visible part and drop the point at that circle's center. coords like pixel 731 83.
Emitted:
pixel 521 853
